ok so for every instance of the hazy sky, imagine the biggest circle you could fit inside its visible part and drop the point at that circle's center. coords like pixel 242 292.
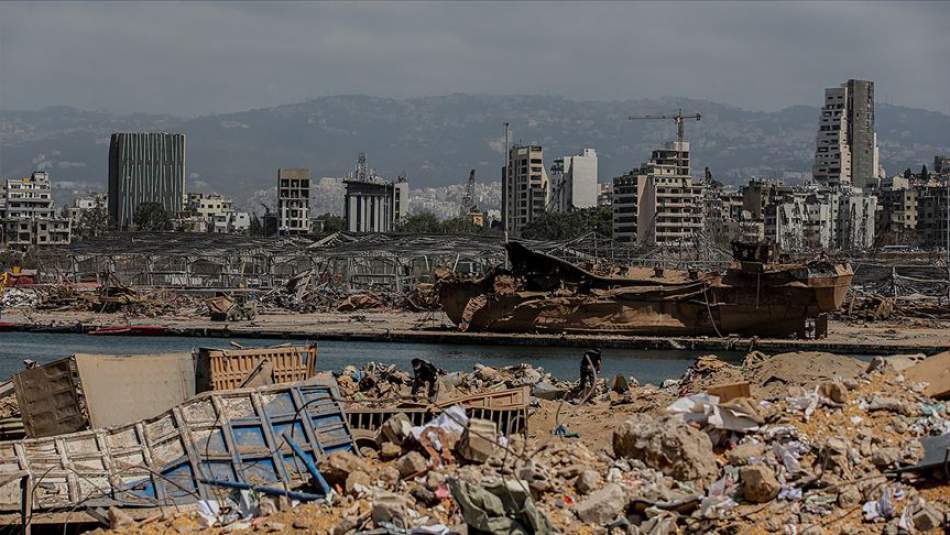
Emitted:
pixel 199 58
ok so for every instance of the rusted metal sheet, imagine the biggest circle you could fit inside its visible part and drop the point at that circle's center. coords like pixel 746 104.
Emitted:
pixel 235 436
pixel 542 293
pixel 49 398
pixel 223 369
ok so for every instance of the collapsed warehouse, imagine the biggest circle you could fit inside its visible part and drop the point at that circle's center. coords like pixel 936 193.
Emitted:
pixel 148 274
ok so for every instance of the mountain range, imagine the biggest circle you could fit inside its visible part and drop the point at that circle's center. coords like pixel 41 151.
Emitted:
pixel 436 140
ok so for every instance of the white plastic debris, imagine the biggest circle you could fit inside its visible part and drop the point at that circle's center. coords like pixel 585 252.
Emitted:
pixel 208 511
pixel 805 404
pixel 705 409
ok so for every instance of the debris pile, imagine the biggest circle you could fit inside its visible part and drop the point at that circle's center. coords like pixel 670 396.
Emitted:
pixel 794 443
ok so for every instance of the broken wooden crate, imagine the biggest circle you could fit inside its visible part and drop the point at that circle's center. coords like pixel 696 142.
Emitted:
pixel 235 436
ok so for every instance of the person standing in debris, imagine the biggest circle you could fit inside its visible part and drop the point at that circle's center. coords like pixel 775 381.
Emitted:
pixel 591 364
pixel 425 373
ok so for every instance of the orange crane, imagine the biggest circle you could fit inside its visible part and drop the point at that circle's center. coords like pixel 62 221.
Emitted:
pixel 677 117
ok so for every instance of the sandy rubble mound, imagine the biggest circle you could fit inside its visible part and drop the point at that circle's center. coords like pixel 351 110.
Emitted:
pixel 814 450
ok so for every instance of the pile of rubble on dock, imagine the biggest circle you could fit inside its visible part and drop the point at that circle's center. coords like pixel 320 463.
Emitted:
pixel 795 442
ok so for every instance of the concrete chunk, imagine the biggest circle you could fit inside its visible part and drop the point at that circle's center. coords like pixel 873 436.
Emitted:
pixel 603 506
pixel 669 445
pixel 758 483
pixel 411 464
pixel 478 440
pixel 397 429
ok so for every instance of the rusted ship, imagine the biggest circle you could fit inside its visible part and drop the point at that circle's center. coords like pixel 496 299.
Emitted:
pixel 544 294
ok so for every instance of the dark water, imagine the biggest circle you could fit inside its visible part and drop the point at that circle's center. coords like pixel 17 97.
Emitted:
pixel 645 365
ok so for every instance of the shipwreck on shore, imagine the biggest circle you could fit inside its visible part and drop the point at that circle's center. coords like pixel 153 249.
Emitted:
pixel 545 294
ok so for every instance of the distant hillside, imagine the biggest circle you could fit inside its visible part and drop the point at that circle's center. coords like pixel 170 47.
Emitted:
pixel 436 140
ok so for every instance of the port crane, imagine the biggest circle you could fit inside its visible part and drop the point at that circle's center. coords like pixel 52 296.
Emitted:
pixel 679 118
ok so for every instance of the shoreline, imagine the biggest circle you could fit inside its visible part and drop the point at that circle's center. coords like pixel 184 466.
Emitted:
pixel 387 326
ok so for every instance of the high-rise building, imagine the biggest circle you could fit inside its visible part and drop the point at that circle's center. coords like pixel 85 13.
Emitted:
pixel 145 168
pixel 658 204
pixel 28 216
pixel 574 182
pixel 846 151
pixel 524 188
pixel 293 201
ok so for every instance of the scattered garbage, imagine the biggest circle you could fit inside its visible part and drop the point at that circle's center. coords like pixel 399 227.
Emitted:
pixel 858 452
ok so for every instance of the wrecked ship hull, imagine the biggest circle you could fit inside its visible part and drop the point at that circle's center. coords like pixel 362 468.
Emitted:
pixel 544 294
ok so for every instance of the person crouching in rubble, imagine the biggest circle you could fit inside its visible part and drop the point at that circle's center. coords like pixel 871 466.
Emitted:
pixel 425 373
pixel 591 364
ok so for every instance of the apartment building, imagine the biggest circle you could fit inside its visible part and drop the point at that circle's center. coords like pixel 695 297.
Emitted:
pixel 574 182
pixel 659 204
pixel 932 210
pixel 524 188
pixel 145 168
pixel 28 215
pixel 83 205
pixel 293 201
pixel 846 151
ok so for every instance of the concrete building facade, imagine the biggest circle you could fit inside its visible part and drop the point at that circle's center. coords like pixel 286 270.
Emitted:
pixel 28 214
pixel 293 201
pixel 846 151
pixel 574 182
pixel 659 204
pixel 524 188
pixel 375 205
pixel 145 168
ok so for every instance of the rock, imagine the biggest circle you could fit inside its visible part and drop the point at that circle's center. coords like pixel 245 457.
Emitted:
pixel 877 364
pixel 885 457
pixel 669 445
pixel 411 464
pixel 369 453
pixel 397 429
pixel 603 506
pixel 587 481
pixel 487 374
pixel 390 450
pixel 849 497
pixel 119 518
pixel 389 507
pixel 746 453
pixel 927 519
pixel 424 495
pixel 357 478
pixel 530 376
pixel 478 440
pixel 879 403
pixel 546 390
pixel 389 475
pixel 345 525
pixel 341 464
pixel 537 478
pixel 434 480
pixel 758 483
pixel 833 457
pixel 835 391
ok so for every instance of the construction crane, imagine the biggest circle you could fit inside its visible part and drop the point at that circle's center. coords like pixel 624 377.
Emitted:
pixel 468 200
pixel 677 117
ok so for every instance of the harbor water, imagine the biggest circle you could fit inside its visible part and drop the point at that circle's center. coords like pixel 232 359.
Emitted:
pixel 646 365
